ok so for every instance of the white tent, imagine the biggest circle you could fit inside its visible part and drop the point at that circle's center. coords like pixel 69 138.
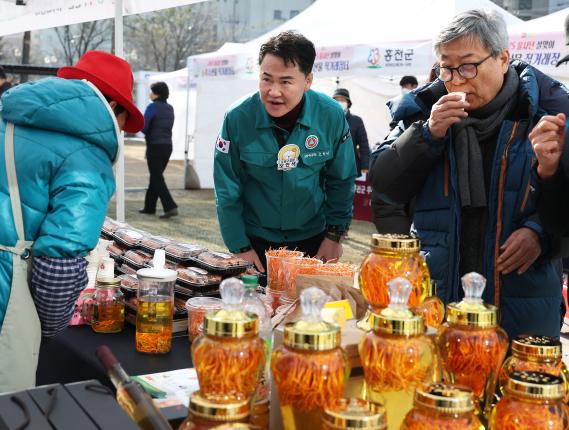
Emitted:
pixel 365 47
pixel 39 14
pixel 541 43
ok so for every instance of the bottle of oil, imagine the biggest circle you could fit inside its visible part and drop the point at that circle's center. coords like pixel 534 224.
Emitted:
pixel 130 395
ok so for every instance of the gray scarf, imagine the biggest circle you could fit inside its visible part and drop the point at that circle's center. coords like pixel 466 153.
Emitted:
pixel 477 127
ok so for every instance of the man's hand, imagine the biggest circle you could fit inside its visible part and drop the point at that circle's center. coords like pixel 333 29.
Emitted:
pixel 252 257
pixel 547 139
pixel 519 252
pixel 329 251
pixel 447 111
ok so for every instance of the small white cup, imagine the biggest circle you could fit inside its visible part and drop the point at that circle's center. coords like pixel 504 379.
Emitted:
pixel 459 93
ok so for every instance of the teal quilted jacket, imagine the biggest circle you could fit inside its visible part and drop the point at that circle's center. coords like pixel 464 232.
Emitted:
pixel 66 139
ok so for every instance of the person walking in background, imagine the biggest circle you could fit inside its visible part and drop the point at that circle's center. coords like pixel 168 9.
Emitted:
pixel 408 84
pixel 58 140
pixel 357 130
pixel 158 123
pixel 5 85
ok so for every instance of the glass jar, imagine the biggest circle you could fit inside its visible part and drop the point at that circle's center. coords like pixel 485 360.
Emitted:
pixel 534 354
pixel 471 345
pixel 104 309
pixel 532 400
pixel 396 355
pixel 393 256
pixel 310 369
pixel 442 407
pixel 354 414
pixel 204 414
pixel 155 307
pixel 229 356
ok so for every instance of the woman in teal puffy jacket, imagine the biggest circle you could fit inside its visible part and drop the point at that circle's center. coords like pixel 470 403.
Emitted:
pixel 58 140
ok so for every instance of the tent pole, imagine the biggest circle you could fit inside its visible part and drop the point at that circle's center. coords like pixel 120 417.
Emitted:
pixel 120 162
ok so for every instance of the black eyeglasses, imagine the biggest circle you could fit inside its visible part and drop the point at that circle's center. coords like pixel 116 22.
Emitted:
pixel 466 71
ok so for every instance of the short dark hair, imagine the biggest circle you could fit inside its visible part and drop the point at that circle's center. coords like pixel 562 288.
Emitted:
pixel 2 73
pixel 408 80
pixel 118 108
pixel 161 90
pixel 293 48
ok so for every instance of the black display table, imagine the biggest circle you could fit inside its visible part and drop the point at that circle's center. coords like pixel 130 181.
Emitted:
pixel 70 356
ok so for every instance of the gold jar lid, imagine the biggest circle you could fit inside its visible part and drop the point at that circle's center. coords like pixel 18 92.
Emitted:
pixel 395 242
pixel 203 408
pixel 355 414
pixel 537 347
pixel 234 426
pixel 535 385
pixel 231 323
pixel 445 398
pixel 405 326
pixel 484 315
pixel 312 336
pixel 108 282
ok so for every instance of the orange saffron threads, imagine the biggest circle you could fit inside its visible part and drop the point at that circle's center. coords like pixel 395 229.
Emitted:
pixel 471 357
pixel 275 266
pixel 513 414
pixel 228 369
pixel 393 363
pixel 419 420
pixel 154 343
pixel 380 268
pixel 309 381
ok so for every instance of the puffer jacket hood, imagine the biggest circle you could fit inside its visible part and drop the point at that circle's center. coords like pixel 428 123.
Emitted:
pixel 71 107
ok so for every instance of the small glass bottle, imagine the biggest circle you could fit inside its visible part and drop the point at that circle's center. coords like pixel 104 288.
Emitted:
pixel 532 400
pixel 397 355
pixel 442 407
pixel 229 356
pixel 204 414
pixel 534 354
pixel 310 369
pixel 393 256
pixel 471 345
pixel 349 414
pixel 104 309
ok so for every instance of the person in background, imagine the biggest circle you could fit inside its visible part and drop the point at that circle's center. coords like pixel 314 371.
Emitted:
pixel 464 153
pixel 284 166
pixel 158 123
pixel 59 138
pixel 4 83
pixel 408 84
pixel 357 130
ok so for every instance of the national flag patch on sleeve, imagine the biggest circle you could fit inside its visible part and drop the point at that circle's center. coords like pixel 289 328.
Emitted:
pixel 222 145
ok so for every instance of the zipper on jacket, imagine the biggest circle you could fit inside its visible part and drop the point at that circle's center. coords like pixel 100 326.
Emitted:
pixel 501 187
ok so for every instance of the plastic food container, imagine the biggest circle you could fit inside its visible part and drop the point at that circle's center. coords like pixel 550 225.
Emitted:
pixel 128 237
pixel 152 243
pixel 220 262
pixel 116 250
pixel 197 307
pixel 182 252
pixel 275 266
pixel 198 277
pixel 298 266
pixel 110 226
pixel 137 259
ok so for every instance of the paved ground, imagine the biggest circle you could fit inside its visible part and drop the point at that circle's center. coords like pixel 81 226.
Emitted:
pixel 198 221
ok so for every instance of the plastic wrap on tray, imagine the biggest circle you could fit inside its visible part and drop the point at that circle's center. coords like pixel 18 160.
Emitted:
pixel 137 259
pixel 126 269
pixel 128 237
pixel 116 250
pixel 220 261
pixel 183 251
pixel 110 226
pixel 129 281
pixel 197 276
pixel 152 243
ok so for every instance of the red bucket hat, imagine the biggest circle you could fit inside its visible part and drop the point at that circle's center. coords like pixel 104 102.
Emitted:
pixel 113 77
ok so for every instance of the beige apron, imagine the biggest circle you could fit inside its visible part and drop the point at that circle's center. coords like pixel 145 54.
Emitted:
pixel 21 330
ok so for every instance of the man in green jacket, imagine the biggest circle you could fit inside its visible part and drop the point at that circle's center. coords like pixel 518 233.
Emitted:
pixel 284 166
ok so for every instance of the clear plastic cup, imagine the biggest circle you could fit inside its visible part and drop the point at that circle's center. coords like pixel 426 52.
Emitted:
pixel 337 269
pixel 197 307
pixel 273 297
pixel 275 266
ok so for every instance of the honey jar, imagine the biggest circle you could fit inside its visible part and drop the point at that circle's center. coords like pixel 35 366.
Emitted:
pixel 396 355
pixel 532 400
pixel 229 356
pixel 204 414
pixel 354 414
pixel 310 369
pixel 471 345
